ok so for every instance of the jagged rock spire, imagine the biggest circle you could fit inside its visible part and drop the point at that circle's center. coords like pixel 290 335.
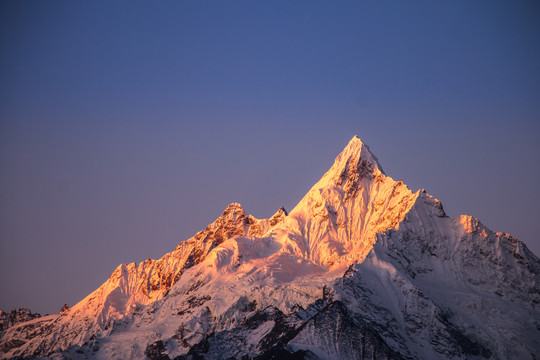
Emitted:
pixel 278 216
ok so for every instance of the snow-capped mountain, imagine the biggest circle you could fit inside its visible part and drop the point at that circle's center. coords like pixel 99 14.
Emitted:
pixel 361 268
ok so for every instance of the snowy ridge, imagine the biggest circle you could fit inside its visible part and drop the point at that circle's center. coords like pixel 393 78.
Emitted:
pixel 362 267
pixel 466 292
pixel 132 285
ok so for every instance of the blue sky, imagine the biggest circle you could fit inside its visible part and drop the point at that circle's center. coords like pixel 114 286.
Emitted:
pixel 126 127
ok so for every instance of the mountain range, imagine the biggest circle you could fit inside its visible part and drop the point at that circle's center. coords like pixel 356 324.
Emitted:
pixel 360 268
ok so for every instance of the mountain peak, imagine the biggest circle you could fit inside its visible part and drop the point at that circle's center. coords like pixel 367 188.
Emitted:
pixel 234 207
pixel 358 149
pixel 234 212
pixel 353 165
pixel 278 216
pixel 356 138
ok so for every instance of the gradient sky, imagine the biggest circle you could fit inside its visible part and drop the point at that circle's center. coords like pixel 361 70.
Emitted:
pixel 126 127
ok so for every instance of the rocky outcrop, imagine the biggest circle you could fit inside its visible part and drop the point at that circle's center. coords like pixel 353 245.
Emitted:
pixel 15 317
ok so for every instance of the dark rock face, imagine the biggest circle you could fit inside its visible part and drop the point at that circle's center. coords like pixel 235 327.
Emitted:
pixel 15 317
pixel 156 351
pixel 229 224
pixel 332 331
pixel 340 334
pixel 355 170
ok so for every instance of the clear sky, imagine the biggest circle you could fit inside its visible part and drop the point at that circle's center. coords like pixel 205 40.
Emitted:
pixel 126 127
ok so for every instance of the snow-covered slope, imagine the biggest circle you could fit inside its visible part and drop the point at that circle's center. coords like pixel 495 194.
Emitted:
pixel 362 267
pixel 133 285
pixel 337 220
pixel 448 288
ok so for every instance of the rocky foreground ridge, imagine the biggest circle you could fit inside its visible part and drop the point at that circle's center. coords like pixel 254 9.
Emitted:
pixel 361 268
